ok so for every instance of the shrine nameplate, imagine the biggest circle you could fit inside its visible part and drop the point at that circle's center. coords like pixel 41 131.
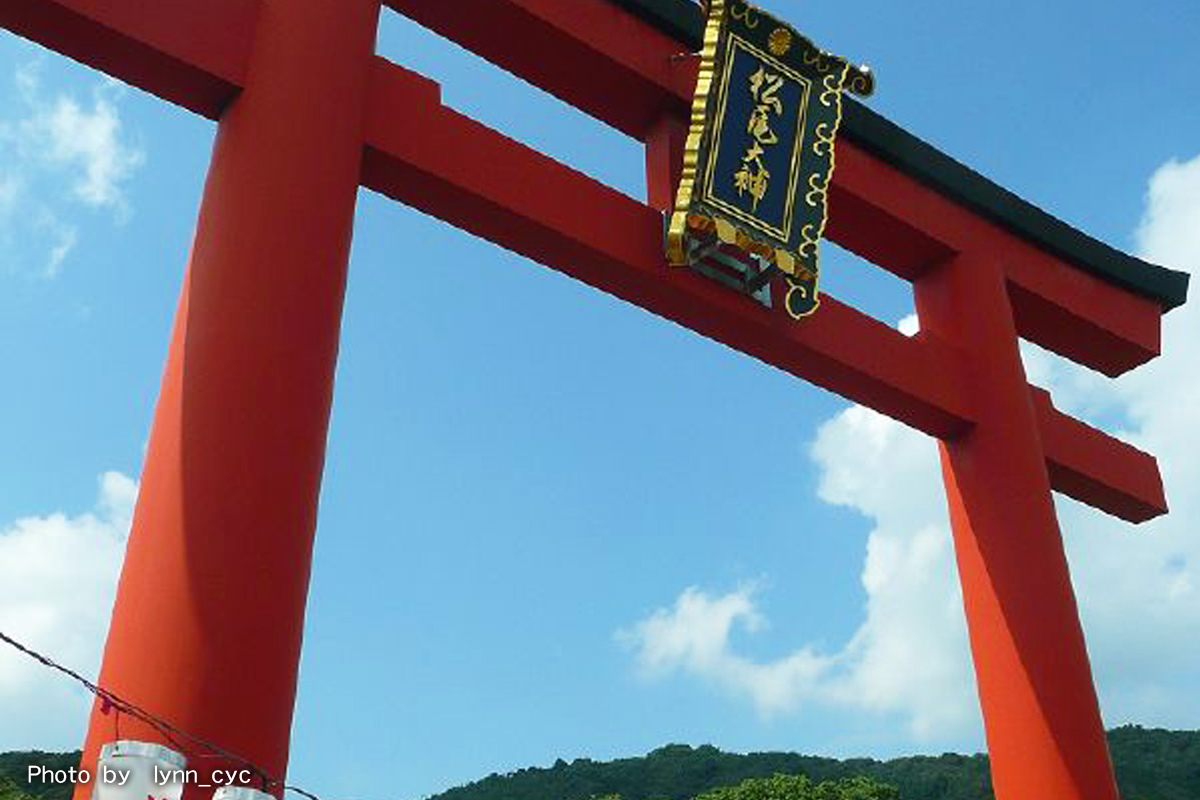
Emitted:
pixel 760 151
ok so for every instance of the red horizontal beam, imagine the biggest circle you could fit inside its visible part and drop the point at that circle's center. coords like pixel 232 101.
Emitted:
pixel 195 55
pixel 621 71
pixel 1062 308
pixel 624 72
pixel 463 172
pixel 191 53
pixel 1095 468
pixel 475 178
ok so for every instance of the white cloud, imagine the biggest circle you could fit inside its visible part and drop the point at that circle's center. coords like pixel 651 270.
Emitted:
pixel 67 236
pixel 694 637
pixel 60 238
pixel 52 142
pixel 1138 587
pixel 85 143
pixel 10 187
pixel 908 655
pixel 1170 229
pixel 59 576
pixel 27 77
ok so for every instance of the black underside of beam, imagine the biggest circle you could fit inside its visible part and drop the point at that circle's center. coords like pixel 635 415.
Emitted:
pixel 683 19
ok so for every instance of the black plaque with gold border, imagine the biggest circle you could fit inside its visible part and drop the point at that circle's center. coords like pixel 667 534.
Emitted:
pixel 760 150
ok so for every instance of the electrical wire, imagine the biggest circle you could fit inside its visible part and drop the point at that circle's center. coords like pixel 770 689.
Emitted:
pixel 110 701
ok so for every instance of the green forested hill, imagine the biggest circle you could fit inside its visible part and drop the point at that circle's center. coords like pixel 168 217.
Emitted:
pixel 9 790
pixel 1154 764
pixel 14 774
pixel 679 772
pixel 1151 764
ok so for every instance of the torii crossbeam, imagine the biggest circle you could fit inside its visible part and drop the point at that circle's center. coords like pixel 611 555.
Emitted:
pixel 207 624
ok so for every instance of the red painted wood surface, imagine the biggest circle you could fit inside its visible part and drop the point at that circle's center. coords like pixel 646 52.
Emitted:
pixel 461 171
pixel 1095 468
pixel 631 79
pixel 231 479
pixel 1045 736
pixel 475 178
pixel 191 53
pixel 623 72
pixel 209 612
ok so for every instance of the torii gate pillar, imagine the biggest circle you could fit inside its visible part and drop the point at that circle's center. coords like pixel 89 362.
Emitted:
pixel 208 619
pixel 1045 736
pixel 209 612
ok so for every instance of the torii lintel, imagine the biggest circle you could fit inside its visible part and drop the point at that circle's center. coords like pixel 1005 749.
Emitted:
pixel 308 113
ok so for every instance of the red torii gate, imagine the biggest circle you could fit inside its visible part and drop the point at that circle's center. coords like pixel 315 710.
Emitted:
pixel 207 625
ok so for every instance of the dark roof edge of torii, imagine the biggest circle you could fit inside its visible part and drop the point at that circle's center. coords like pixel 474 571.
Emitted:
pixel 683 20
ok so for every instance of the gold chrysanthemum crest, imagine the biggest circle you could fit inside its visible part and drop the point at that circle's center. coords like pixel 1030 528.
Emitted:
pixel 780 41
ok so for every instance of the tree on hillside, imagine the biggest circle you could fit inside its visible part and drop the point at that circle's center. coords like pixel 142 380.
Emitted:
pixel 799 787
pixel 10 791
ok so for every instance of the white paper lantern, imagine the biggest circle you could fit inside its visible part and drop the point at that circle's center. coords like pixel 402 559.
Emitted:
pixel 240 793
pixel 129 770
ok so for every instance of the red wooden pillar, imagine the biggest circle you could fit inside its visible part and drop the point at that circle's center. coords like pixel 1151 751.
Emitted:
pixel 665 142
pixel 207 625
pixel 1044 731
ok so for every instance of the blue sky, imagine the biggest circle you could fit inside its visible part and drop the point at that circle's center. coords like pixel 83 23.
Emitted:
pixel 547 528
